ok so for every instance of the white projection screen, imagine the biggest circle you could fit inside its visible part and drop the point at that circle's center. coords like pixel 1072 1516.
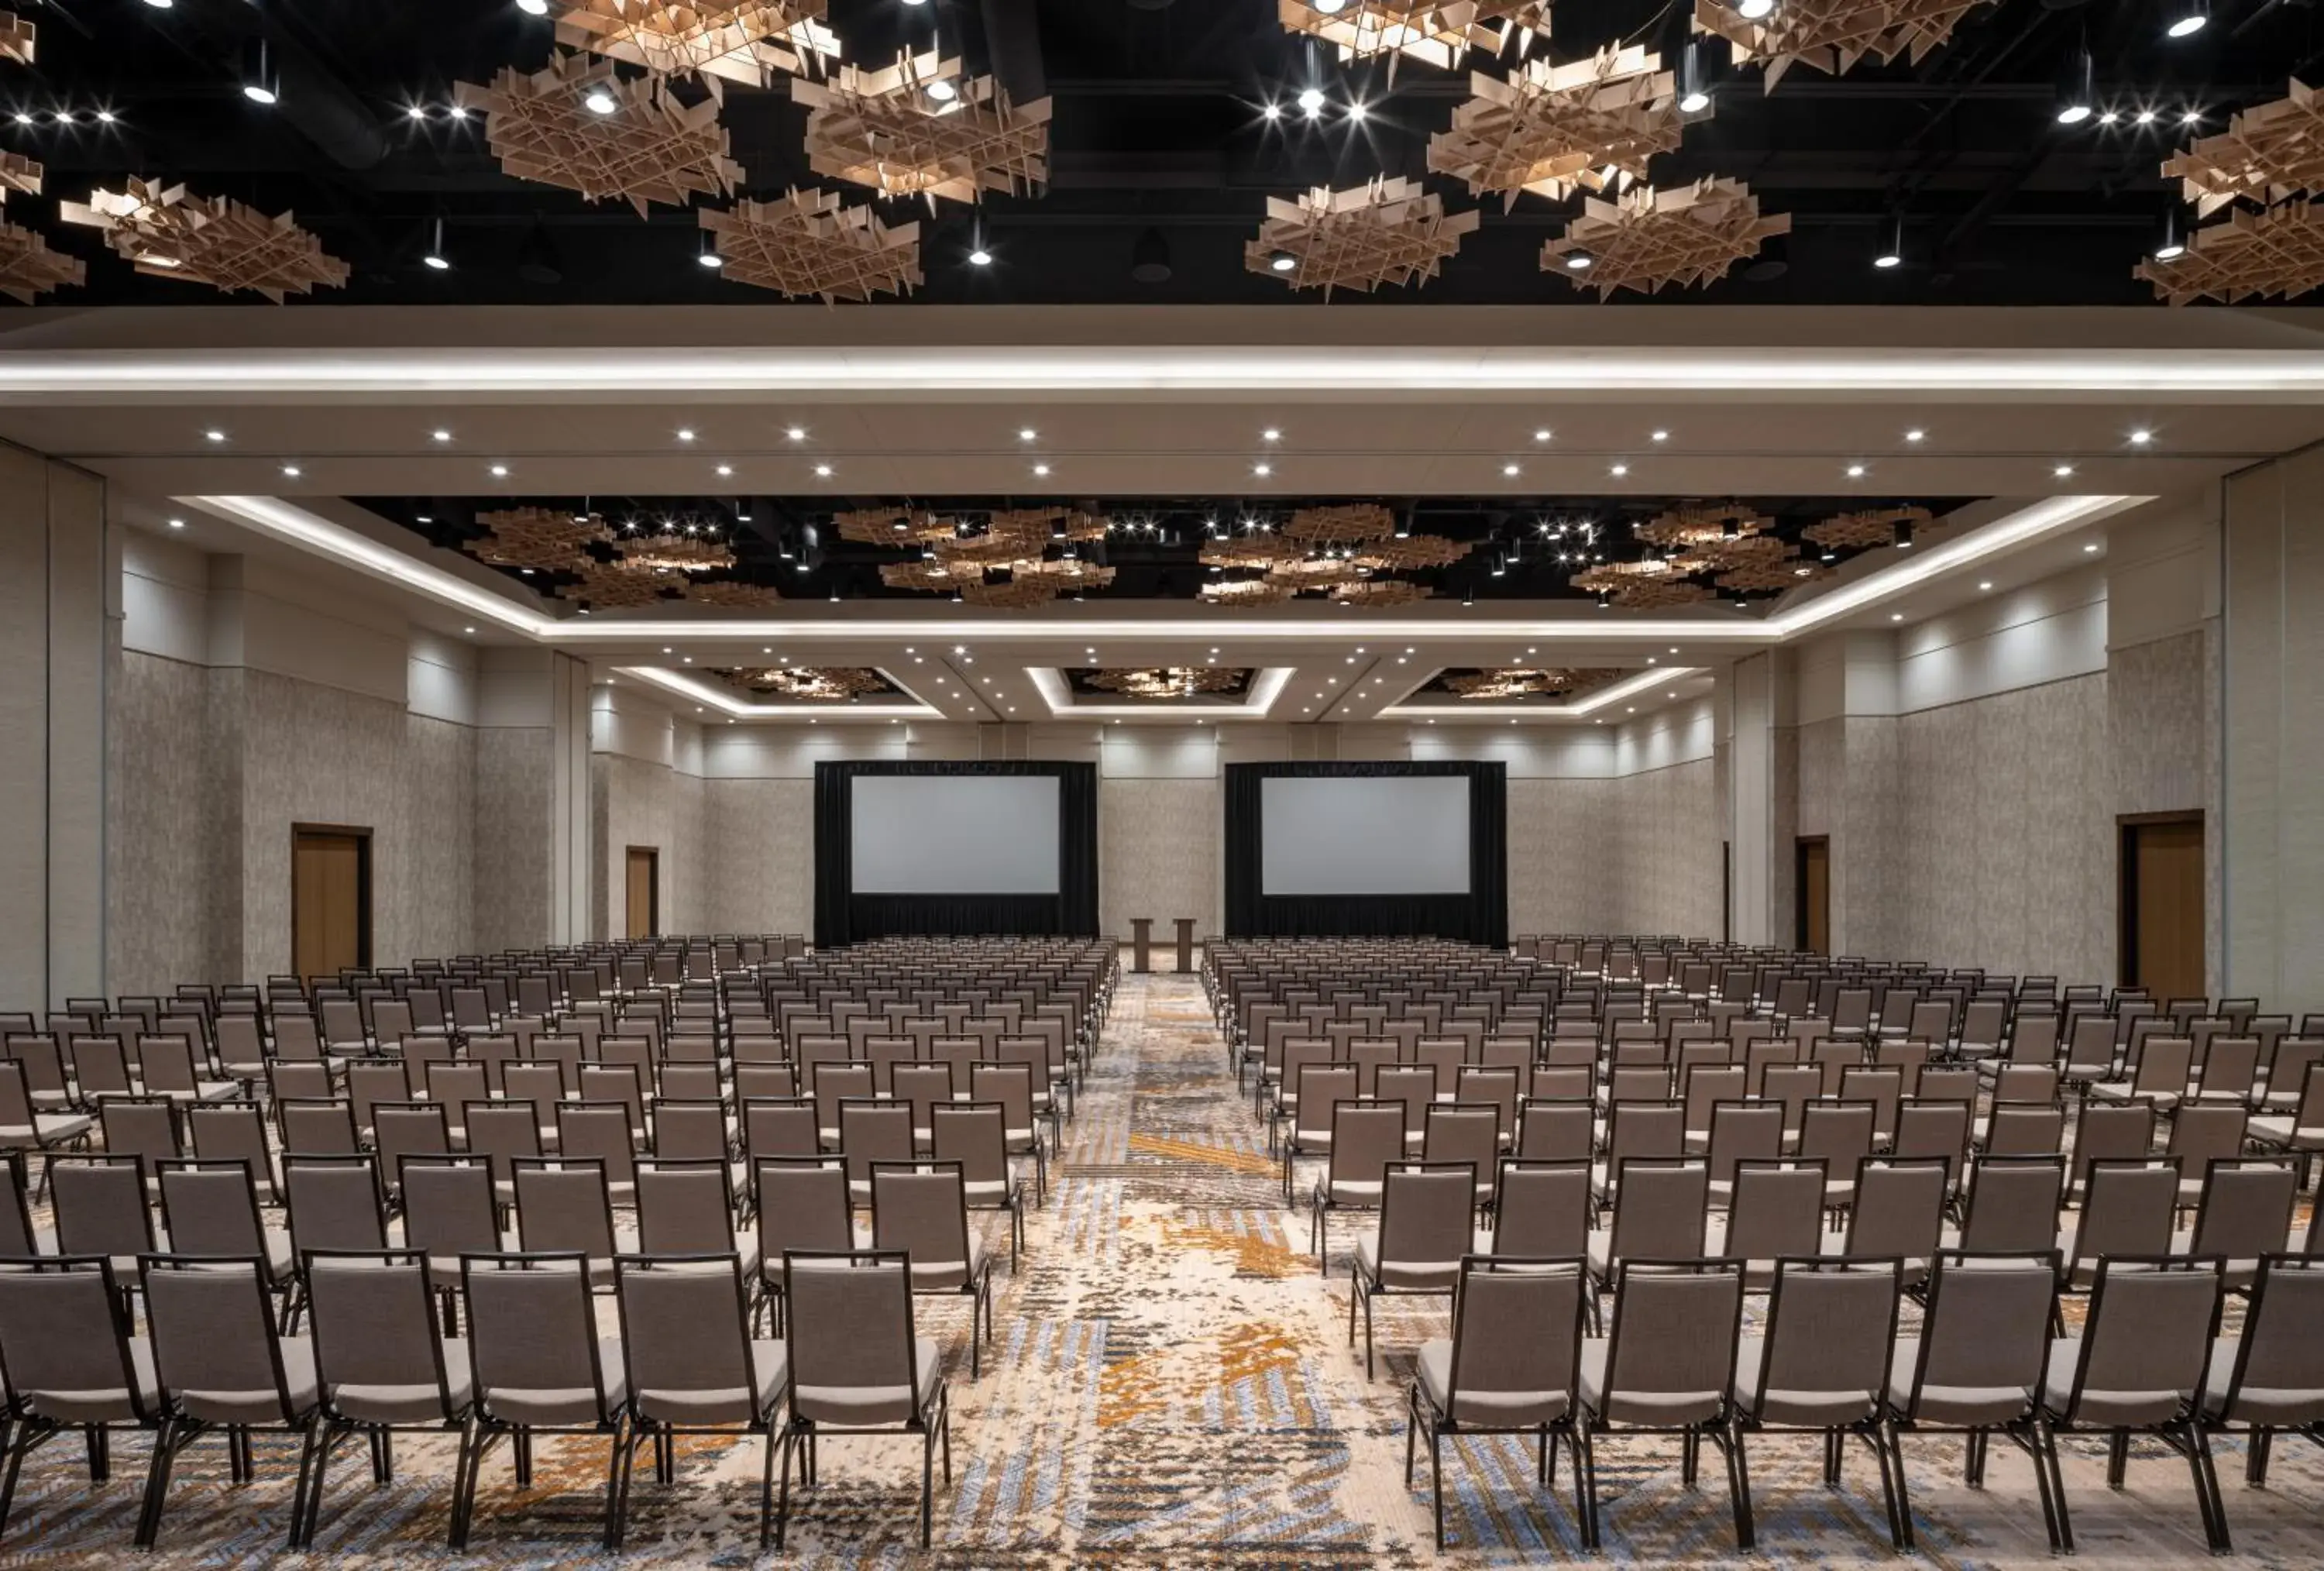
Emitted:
pixel 1368 835
pixel 955 833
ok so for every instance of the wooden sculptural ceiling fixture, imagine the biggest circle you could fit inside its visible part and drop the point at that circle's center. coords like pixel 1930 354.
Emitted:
pixel 1649 239
pixel 808 684
pixel 1589 125
pixel 675 548
pixel 19 40
pixel 18 173
pixel 1437 33
pixel 922 128
pixel 2272 155
pixel 2269 153
pixel 28 268
pixel 1169 681
pixel 1389 231
pixel 544 538
pixel 811 244
pixel 1867 530
pixel 1002 561
pixel 1832 35
pixel 1651 585
pixel 1506 682
pixel 640 143
pixel 1350 553
pixel 716 40
pixel 171 233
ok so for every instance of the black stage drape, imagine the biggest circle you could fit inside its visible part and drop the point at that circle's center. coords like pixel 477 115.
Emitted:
pixel 1479 917
pixel 842 917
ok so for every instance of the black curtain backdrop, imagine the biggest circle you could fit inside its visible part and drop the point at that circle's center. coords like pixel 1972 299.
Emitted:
pixel 843 917
pixel 1479 917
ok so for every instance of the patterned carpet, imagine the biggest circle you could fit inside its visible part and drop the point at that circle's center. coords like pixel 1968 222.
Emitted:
pixel 1171 1387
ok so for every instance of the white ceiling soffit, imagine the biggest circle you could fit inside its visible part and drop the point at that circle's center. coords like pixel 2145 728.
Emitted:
pixel 1574 708
pixel 711 695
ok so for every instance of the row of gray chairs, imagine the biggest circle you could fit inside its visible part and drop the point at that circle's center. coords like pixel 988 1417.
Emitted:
pixel 1833 1359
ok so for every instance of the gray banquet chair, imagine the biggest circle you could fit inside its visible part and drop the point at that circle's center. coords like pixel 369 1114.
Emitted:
pixel 1424 1233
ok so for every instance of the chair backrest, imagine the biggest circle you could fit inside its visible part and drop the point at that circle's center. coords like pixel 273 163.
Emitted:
pixel 873 1131
pixel 216 1356
pixel 599 1132
pixel 1412 1087
pixel 975 1135
pixel 803 1205
pixel 1934 1129
pixel 2128 1209
pixel 448 1206
pixel 1837 1133
pixel 1831 1338
pixel 2245 1211
pixel 1672 1358
pixel 684 1207
pixel 686 1341
pixel 1517 1335
pixel 2279 1352
pixel 921 1208
pixel 564 1205
pixel 1743 1131
pixel 2110 1133
pixel 51 1341
pixel 99 1203
pixel 211 1209
pixel 1454 1133
pixel 1899 1208
pixel 1010 1084
pixel 2147 1342
pixel 1365 1138
pixel 689 1131
pixel 1543 1210
pixel 1425 1209
pixel 335 1201
pixel 502 1132
pixel 1661 1209
pixel 2013 1208
pixel 850 1344
pixel 1776 1210
pixel 1554 1130
pixel 377 1344
pixel 532 1330
pixel 145 1127
pixel 1985 1339
pixel 402 1128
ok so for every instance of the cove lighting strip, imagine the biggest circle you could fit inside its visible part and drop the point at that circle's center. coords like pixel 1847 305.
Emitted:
pixel 734 708
pixel 1580 708
pixel 1057 693
pixel 615 374
pixel 287 521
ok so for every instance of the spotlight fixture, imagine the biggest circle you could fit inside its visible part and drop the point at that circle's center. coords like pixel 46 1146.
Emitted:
pixel 106 117
pixel 1311 100
pixel 598 100
pixel 1282 262
pixel 165 5
pixel 2187 17
pixel 1754 10
pixel 1693 80
pixel 1904 535
pixel 2145 117
pixel 2171 243
pixel 1579 261
pixel 1890 250
pixel 1149 258
pixel 2191 118
pixel 707 255
pixel 1270 111
pixel 260 82
pixel 416 112
pixel 529 7
pixel 435 258
pixel 978 256
pixel 2078 90
pixel 1356 110
pixel 944 90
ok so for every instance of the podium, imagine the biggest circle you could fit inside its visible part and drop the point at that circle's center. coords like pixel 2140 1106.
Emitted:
pixel 1185 944
pixel 1141 944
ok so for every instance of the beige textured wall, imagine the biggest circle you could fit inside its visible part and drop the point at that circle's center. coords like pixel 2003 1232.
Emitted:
pixel 167 820
pixel 762 878
pixel 1159 852
pixel 514 835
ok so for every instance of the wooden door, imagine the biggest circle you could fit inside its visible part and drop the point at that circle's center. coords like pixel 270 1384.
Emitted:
pixel 330 899
pixel 1814 890
pixel 644 893
pixel 2162 906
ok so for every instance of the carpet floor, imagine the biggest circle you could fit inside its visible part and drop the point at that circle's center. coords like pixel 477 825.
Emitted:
pixel 1170 1386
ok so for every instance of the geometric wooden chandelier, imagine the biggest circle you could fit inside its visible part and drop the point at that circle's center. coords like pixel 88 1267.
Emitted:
pixel 545 538
pixel 2278 254
pixel 1347 551
pixel 646 147
pixel 2269 153
pixel 1503 682
pixel 211 240
pixel 17 39
pixel 1590 124
pixel 1437 33
pixel 1013 543
pixel 742 40
pixel 1644 585
pixel 1867 530
pixel 19 174
pixel 920 128
pixel 1169 681
pixel 1649 238
pixel 1389 231
pixel 807 243
pixel 808 684
pixel 1832 35
pixel 29 269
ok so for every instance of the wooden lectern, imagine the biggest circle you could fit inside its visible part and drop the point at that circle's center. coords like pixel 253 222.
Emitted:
pixel 1185 944
pixel 1141 944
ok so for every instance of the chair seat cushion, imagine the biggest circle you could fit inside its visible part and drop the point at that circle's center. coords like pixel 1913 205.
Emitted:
pixel 1800 1409
pixel 936 1275
pixel 2101 1408
pixel 421 1403
pixel 1649 1408
pixel 1404 1276
pixel 1951 1405
pixel 264 1406
pixel 769 1369
pixel 866 1407
pixel 563 1407
pixel 103 1407
pixel 2274 1407
pixel 1485 1409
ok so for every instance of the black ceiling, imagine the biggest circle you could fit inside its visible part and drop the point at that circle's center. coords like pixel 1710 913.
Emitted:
pixel 1155 126
pixel 1154 542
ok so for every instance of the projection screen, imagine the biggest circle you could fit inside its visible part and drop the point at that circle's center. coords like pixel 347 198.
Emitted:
pixel 955 833
pixel 1383 835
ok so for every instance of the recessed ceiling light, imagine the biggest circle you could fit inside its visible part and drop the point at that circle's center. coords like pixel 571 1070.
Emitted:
pixel 1619 470
pixel 2141 437
pixel 1542 435
pixel 2145 117
pixel 467 630
pixel 2063 471
pixel 1271 434
pixel 1661 436
pixel 176 523
pixel 104 117
pixel 1915 434
pixel 1042 469
pixel 457 111
pixel 1262 470
pixel 796 433
pixel 1356 110
pixel 1510 470
pixel 823 471
pixel 1984 583
pixel 500 471
pixel 1896 616
pixel 442 435
pixel 1282 262
pixel 1855 471
pixel 529 7
pixel 215 436
pixel 1270 111
pixel 599 102
pixel 686 433
pixel 2191 118
pixel 1029 435
pixel 2091 549
pixel 292 470
pixel 1579 261
pixel 725 470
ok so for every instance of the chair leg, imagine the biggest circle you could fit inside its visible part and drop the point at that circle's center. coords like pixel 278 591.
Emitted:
pixel 2206 1487
pixel 2256 1459
pixel 307 1505
pixel 1547 1462
pixel 1739 1486
pixel 1880 1456
pixel 783 1493
pixel 1436 1480
pixel 1903 1523
pixel 928 1488
pixel 2047 1460
pixel 616 1470
pixel 1585 1484
pixel 1689 1458
pixel 766 1490
pixel 1368 1335
pixel 28 1433
pixel 157 1483
pixel 464 1485
pixel 2117 1459
pixel 521 1449
pixel 1411 1432
pixel 100 1453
